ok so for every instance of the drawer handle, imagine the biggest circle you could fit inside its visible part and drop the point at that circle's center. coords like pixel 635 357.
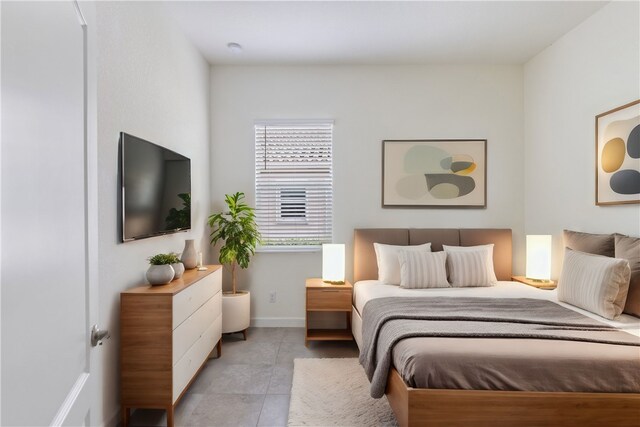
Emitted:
pixel 330 290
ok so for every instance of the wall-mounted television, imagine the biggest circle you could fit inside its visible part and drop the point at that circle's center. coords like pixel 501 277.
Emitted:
pixel 155 189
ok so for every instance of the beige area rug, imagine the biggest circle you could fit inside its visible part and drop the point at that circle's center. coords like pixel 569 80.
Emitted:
pixel 335 392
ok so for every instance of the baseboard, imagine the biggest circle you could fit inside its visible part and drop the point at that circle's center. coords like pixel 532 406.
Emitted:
pixel 277 322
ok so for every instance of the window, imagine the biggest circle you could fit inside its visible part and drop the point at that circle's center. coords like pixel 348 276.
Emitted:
pixel 294 183
pixel 293 204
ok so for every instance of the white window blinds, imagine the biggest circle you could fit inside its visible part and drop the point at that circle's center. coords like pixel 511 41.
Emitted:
pixel 294 183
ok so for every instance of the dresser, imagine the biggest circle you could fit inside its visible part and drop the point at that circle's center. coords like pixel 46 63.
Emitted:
pixel 166 335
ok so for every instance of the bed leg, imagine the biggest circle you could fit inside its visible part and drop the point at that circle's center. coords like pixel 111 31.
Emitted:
pixel 398 397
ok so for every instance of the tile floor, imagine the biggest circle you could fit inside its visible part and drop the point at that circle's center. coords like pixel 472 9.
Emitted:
pixel 250 384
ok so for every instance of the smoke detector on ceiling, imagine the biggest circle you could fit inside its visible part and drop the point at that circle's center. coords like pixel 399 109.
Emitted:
pixel 234 47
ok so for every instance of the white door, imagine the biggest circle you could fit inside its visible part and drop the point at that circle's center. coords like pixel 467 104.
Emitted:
pixel 46 294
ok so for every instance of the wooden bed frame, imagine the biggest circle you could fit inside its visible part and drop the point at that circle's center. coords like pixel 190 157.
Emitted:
pixel 440 407
pixel 430 407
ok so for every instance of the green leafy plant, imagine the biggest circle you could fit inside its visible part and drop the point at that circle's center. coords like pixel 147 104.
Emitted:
pixel 174 257
pixel 162 259
pixel 238 229
pixel 180 218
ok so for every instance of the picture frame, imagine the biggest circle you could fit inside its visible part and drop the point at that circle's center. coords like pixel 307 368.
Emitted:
pixel 434 173
pixel 618 155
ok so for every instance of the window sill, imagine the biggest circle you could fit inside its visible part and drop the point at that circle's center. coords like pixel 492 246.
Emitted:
pixel 293 248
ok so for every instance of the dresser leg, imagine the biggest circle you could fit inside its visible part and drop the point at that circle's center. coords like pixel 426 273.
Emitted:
pixel 126 412
pixel 170 416
pixel 219 348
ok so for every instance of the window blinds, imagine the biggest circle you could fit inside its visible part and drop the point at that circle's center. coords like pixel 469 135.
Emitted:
pixel 294 183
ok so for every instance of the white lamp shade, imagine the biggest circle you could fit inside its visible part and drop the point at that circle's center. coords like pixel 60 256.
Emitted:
pixel 539 257
pixel 333 263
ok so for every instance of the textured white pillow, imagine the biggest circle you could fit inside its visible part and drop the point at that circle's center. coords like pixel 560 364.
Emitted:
pixel 470 268
pixel 489 259
pixel 388 263
pixel 596 283
pixel 420 269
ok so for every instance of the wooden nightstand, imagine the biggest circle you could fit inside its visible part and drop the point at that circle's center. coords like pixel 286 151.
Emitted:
pixel 540 285
pixel 327 297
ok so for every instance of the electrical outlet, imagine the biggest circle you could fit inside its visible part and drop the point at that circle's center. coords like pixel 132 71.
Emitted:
pixel 272 297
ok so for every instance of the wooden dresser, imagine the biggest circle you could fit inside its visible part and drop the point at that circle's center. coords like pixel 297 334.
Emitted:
pixel 166 335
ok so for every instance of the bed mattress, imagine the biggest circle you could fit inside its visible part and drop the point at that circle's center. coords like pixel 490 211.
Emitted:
pixel 510 364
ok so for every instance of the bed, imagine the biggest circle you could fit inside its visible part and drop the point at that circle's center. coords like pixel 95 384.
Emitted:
pixel 534 382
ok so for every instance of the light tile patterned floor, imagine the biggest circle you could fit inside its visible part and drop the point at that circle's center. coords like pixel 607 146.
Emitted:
pixel 250 384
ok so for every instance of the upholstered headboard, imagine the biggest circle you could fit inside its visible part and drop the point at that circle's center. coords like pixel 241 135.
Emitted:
pixel 365 266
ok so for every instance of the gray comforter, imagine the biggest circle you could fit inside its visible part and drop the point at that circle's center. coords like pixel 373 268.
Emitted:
pixel 389 320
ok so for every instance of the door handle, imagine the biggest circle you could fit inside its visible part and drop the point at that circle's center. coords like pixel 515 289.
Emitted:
pixel 98 335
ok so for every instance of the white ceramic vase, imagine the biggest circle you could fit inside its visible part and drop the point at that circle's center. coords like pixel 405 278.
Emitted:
pixel 178 267
pixel 236 309
pixel 189 256
pixel 160 274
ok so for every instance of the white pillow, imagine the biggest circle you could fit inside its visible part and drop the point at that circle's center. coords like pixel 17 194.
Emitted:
pixel 420 270
pixel 388 263
pixel 596 283
pixel 489 259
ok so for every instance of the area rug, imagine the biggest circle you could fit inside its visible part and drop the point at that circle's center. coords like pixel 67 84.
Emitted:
pixel 335 392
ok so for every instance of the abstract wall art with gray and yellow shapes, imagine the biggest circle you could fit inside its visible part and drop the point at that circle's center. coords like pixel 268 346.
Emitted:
pixel 434 173
pixel 618 155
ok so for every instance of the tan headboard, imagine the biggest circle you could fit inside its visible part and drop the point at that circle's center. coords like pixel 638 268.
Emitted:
pixel 365 266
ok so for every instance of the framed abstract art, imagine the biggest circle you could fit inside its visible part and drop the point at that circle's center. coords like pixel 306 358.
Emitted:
pixel 434 173
pixel 618 155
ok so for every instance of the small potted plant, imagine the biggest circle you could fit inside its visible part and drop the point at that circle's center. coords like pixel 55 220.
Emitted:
pixel 178 266
pixel 238 229
pixel 160 271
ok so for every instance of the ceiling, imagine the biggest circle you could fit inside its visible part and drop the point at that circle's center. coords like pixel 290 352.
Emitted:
pixel 379 32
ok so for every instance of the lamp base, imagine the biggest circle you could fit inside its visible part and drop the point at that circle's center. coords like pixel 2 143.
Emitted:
pixel 332 282
pixel 540 280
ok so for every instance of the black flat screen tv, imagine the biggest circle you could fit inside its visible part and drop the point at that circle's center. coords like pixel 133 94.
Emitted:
pixel 155 189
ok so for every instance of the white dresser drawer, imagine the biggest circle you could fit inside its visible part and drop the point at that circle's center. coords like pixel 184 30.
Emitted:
pixel 195 325
pixel 186 367
pixel 217 327
pixel 190 299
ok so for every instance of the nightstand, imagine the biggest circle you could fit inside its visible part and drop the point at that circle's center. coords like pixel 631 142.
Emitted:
pixel 540 285
pixel 323 296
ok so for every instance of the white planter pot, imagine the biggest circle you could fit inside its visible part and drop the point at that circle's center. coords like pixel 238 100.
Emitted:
pixel 178 267
pixel 236 309
pixel 160 274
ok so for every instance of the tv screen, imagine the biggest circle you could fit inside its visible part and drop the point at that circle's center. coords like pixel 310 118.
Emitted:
pixel 156 189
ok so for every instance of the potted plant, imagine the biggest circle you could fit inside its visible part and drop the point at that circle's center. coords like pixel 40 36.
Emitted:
pixel 160 271
pixel 177 265
pixel 238 229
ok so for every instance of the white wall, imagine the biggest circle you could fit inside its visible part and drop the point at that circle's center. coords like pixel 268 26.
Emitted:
pixel 592 69
pixel 152 83
pixel 368 104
